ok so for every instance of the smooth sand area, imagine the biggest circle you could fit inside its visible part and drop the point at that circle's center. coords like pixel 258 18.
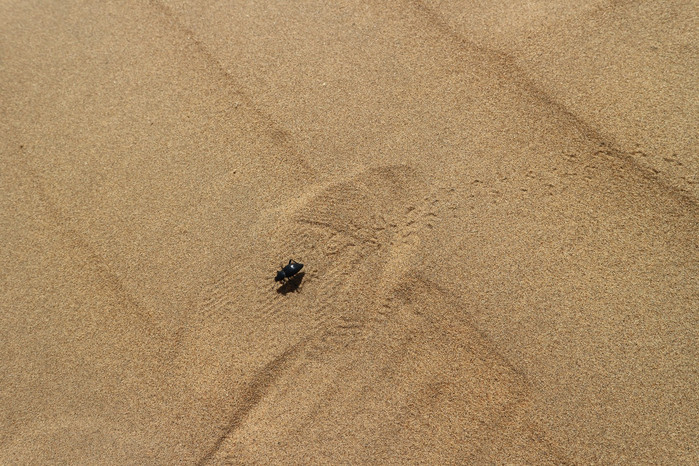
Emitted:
pixel 495 202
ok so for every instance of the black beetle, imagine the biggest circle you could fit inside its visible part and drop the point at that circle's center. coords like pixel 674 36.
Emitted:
pixel 288 271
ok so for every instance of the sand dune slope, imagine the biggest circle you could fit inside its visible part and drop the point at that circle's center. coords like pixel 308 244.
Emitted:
pixel 626 68
pixel 492 274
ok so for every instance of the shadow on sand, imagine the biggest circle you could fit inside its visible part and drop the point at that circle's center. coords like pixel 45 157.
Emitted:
pixel 292 284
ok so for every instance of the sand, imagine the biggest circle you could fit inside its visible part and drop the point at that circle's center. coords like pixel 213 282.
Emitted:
pixel 495 202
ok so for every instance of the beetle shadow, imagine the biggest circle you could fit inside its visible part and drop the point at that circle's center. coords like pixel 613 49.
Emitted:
pixel 292 284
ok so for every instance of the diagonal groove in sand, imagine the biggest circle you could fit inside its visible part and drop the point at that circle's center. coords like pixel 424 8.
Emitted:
pixel 265 121
pixel 517 75
pixel 260 384
pixel 109 279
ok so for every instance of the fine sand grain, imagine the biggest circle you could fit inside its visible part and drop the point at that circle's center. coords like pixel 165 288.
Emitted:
pixel 496 203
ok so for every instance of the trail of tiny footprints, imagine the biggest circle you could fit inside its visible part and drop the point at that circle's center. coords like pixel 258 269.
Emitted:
pixel 350 238
pixel 341 245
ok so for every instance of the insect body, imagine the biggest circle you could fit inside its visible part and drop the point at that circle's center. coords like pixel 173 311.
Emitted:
pixel 288 271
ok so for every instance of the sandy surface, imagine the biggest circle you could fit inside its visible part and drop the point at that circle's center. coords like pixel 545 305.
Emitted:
pixel 496 203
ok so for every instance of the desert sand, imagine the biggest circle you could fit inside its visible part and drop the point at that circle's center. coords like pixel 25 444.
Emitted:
pixel 495 202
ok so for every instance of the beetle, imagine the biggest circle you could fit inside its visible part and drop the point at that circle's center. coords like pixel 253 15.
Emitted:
pixel 288 271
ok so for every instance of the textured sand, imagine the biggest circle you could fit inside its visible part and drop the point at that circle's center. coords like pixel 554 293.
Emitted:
pixel 496 203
